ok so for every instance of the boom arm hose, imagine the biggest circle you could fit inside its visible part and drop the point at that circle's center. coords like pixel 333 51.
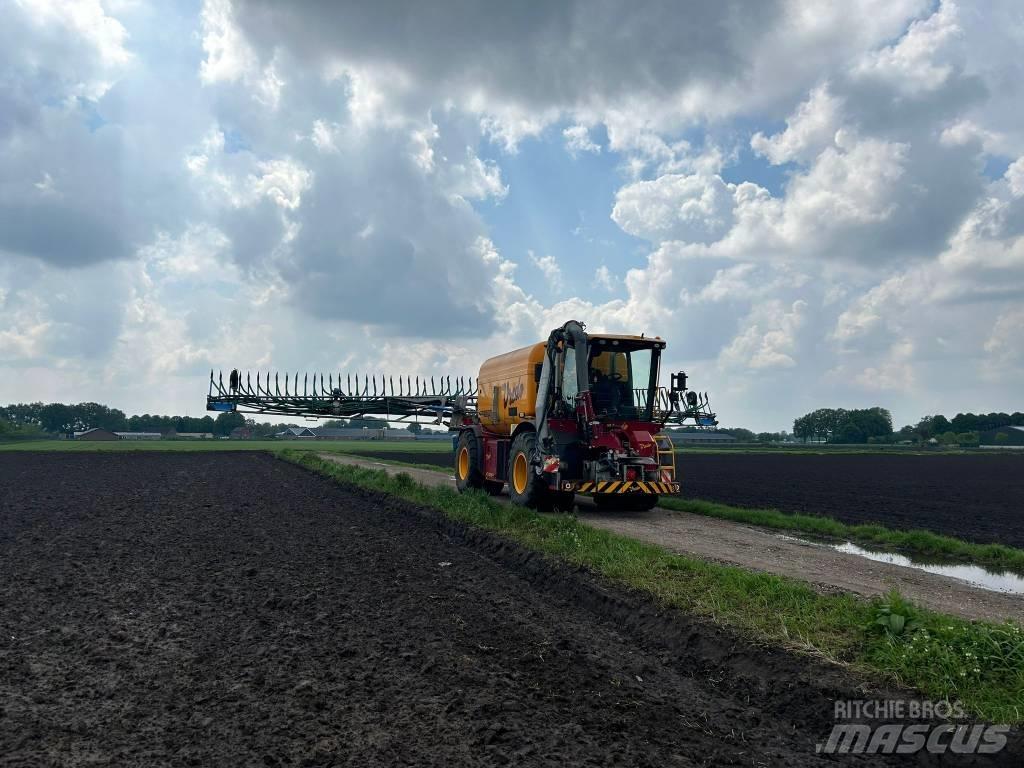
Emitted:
pixel 572 334
pixel 574 330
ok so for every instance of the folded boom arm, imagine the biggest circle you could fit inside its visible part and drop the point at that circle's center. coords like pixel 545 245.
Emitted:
pixel 394 398
pixel 334 397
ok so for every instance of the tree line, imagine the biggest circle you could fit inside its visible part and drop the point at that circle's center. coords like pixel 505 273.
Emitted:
pixel 962 429
pixel 64 418
pixel 839 425
pixel 874 425
pixel 741 434
pixel 51 419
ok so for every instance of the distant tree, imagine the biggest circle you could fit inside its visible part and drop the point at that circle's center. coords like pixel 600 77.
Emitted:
pixel 1002 438
pixel 963 422
pixel 802 428
pixel 849 433
pixel 58 418
pixel 11 431
pixel 872 422
pixel 415 428
pixel 741 434
pixel 923 428
pixel 983 422
pixel 228 421
pixel 842 425
pixel 90 415
pixel 23 414
pixel 968 438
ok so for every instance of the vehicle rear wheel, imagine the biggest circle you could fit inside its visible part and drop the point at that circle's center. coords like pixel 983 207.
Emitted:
pixel 633 502
pixel 525 486
pixel 468 467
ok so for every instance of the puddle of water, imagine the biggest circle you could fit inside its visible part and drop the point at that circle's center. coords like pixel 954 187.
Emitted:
pixel 996 581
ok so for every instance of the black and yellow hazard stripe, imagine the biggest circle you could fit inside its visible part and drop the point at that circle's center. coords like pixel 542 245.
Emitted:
pixel 624 486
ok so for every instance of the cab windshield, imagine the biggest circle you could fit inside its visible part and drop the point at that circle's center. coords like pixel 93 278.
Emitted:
pixel 622 379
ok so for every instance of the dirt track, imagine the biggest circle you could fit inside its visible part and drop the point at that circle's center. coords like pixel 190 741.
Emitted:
pixel 977 498
pixel 232 609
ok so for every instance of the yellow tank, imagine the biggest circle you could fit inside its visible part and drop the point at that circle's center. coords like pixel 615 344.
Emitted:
pixel 508 388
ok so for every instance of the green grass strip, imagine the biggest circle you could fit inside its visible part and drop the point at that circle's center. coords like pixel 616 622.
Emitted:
pixel 979 664
pixel 395 463
pixel 923 544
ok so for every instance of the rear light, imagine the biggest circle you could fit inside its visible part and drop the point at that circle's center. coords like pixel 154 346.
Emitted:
pixel 630 473
pixel 552 464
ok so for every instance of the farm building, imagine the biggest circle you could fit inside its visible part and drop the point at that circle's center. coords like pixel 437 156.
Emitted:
pixel 293 433
pixel 1004 437
pixel 701 438
pixel 346 433
pixel 195 435
pixel 96 434
pixel 397 434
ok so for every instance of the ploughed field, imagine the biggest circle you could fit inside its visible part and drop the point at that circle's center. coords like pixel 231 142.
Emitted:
pixel 978 498
pixel 230 609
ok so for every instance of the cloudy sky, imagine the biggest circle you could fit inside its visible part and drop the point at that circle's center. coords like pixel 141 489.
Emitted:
pixel 815 204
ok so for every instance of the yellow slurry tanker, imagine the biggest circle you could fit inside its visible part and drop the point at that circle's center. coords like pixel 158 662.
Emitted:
pixel 576 414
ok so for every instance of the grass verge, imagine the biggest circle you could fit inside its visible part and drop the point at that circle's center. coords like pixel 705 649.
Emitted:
pixel 976 663
pixel 395 463
pixel 922 544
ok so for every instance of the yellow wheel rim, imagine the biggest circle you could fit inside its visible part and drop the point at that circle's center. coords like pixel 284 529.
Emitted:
pixel 520 473
pixel 464 463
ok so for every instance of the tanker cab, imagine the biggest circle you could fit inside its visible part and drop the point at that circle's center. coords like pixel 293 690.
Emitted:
pixel 623 376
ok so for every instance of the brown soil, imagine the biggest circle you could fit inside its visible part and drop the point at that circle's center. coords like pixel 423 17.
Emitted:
pixel 230 609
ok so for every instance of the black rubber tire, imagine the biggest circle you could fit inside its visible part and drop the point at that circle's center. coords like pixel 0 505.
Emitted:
pixel 474 474
pixel 633 502
pixel 533 493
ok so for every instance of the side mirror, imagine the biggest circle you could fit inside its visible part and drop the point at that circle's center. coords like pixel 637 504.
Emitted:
pixel 691 399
